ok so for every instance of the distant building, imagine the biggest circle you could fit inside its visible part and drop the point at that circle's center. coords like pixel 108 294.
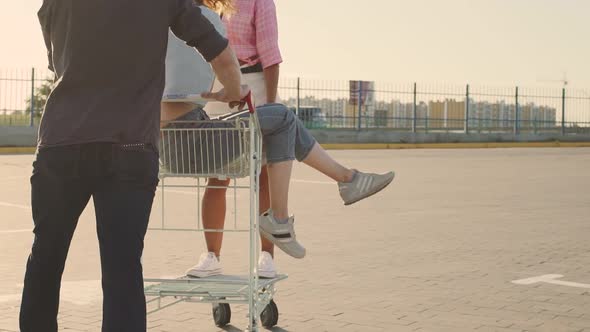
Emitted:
pixel 447 114
pixel 442 114
pixel 312 117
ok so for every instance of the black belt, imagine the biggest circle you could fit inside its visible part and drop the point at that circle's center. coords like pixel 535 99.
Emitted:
pixel 257 68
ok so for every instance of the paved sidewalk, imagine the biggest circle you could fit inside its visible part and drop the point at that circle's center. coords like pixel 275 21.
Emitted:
pixel 437 251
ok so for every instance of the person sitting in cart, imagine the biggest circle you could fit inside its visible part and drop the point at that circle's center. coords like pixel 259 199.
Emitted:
pixel 285 139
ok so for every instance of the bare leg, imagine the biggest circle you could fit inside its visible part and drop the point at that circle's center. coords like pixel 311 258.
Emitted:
pixel 214 207
pixel 213 213
pixel 264 205
pixel 279 176
pixel 319 159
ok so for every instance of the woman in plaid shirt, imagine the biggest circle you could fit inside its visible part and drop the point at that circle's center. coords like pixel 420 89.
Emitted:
pixel 254 34
pixel 252 30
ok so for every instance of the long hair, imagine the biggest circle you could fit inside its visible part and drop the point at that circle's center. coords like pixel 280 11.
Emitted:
pixel 225 7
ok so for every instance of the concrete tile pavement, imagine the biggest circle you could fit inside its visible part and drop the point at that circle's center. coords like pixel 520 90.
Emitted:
pixel 435 252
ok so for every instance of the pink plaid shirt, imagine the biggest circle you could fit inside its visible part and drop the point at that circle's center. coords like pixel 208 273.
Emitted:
pixel 253 32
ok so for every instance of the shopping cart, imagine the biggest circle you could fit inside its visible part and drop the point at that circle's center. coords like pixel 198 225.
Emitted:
pixel 226 149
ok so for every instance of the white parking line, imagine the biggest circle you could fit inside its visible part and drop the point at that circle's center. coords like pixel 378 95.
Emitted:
pixel 550 279
pixel 181 192
pixel 10 178
pixel 18 206
pixel 192 193
pixel 10 298
pixel 12 231
pixel 77 292
pixel 313 182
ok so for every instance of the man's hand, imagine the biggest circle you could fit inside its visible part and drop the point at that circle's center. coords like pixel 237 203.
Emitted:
pixel 224 97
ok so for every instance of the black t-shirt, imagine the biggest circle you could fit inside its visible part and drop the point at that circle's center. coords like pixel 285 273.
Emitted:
pixel 108 57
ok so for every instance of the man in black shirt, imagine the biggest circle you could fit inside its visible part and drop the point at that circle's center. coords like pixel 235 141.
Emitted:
pixel 98 139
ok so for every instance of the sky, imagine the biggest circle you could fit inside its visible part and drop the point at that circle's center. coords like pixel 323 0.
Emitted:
pixel 495 42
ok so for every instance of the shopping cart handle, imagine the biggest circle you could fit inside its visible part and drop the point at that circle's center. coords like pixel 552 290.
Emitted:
pixel 249 102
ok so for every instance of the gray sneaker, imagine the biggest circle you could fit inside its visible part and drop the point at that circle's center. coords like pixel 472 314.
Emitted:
pixel 363 185
pixel 282 235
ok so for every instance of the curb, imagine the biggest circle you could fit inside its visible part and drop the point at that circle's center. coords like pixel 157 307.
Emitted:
pixel 397 146
pixel 483 145
pixel 17 150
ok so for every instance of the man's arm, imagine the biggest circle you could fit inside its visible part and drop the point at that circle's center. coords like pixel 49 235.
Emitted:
pixel 227 69
pixel 190 25
pixel 229 75
pixel 44 15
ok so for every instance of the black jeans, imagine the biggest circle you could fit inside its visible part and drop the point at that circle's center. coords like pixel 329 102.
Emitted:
pixel 122 180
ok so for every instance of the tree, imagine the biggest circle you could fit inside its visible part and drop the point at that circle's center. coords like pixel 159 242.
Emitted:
pixel 40 98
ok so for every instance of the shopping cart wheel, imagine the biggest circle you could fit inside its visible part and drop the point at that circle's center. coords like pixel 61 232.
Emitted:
pixel 221 314
pixel 270 315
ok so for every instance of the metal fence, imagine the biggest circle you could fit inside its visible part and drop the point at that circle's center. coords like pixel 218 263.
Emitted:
pixel 22 95
pixel 437 107
pixel 365 105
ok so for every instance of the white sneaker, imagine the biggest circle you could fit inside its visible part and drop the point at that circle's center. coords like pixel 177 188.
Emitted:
pixel 266 266
pixel 281 235
pixel 207 266
pixel 363 185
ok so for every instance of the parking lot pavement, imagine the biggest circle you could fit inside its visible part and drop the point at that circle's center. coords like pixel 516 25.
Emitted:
pixel 450 246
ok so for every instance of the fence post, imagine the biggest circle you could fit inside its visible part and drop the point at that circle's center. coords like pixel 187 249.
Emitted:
pixel 415 109
pixel 32 122
pixel 426 118
pixel 563 111
pixel 516 115
pixel 467 110
pixel 298 103
pixel 360 107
